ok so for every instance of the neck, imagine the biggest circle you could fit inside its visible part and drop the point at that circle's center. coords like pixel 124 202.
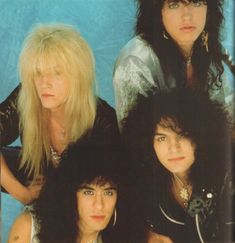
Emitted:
pixel 183 177
pixel 90 237
pixel 87 235
pixel 58 133
pixel 57 115
pixel 186 50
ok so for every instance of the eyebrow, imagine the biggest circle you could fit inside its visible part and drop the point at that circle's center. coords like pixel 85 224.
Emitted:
pixel 159 134
pixel 91 188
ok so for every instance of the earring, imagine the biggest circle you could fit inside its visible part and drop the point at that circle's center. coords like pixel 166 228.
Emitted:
pixel 114 217
pixel 164 35
pixel 205 39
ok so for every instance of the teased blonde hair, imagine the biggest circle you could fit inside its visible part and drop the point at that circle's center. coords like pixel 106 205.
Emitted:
pixel 46 46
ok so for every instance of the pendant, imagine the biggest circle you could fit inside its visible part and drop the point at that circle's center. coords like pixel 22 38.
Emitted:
pixel 184 194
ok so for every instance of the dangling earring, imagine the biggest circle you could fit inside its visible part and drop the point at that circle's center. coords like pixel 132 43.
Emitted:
pixel 205 39
pixel 114 217
pixel 164 35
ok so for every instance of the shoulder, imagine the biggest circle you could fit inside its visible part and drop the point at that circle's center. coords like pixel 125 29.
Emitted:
pixel 136 48
pixel 103 108
pixel 105 121
pixel 21 229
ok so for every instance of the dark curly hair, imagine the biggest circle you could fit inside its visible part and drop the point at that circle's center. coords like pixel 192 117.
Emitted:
pixel 56 208
pixel 200 119
pixel 150 27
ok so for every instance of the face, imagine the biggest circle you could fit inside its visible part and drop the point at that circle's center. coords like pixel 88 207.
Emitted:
pixel 52 88
pixel 174 151
pixel 96 205
pixel 184 22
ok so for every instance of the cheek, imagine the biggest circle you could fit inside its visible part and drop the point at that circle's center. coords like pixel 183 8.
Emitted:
pixel 159 150
pixel 111 205
pixel 82 206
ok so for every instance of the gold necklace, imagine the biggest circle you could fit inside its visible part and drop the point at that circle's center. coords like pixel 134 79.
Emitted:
pixel 184 192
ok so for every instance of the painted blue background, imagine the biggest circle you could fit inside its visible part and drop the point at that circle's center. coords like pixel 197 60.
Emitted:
pixel 106 24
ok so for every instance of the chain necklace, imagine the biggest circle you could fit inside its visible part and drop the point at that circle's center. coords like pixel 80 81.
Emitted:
pixel 55 157
pixel 188 61
pixel 184 192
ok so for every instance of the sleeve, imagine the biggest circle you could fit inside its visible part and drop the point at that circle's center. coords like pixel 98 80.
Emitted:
pixel 9 119
pixel 131 77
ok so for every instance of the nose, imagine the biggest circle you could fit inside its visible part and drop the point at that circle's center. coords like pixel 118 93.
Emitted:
pixel 187 11
pixel 99 202
pixel 174 145
pixel 46 81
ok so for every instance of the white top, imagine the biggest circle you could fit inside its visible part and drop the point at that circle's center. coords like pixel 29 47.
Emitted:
pixel 35 228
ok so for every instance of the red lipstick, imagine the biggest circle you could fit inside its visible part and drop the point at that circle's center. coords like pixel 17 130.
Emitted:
pixel 98 217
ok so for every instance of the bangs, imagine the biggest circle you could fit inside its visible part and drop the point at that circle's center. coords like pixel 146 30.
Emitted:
pixel 49 60
pixel 187 1
pixel 99 181
pixel 170 123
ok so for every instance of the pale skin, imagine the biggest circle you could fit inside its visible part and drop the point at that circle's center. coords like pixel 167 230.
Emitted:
pixel 95 208
pixel 184 23
pixel 177 154
pixel 21 229
pixel 52 89
pixel 16 189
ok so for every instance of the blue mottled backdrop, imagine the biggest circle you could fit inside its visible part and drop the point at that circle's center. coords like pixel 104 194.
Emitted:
pixel 106 24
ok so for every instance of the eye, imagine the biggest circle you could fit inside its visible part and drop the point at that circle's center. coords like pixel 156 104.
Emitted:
pixel 38 74
pixel 160 138
pixel 57 72
pixel 109 192
pixel 196 3
pixel 172 4
pixel 88 192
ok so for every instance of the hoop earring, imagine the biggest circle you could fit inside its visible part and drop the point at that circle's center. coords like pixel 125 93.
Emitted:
pixel 114 217
pixel 205 40
pixel 164 35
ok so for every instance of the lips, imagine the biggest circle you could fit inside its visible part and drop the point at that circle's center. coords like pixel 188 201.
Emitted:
pixel 176 158
pixel 98 217
pixel 188 28
pixel 47 95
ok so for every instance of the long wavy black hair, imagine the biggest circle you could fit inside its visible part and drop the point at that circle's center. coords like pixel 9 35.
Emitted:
pixel 56 208
pixel 150 27
pixel 188 112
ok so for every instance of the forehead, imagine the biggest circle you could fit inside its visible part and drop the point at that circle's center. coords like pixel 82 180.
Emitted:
pixel 163 130
pixel 184 1
pixel 168 125
pixel 98 186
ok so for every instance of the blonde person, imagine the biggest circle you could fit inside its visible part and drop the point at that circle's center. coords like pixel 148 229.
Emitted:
pixel 80 201
pixel 177 44
pixel 56 103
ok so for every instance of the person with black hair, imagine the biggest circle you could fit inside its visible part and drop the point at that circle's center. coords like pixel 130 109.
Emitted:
pixel 80 201
pixel 176 44
pixel 180 143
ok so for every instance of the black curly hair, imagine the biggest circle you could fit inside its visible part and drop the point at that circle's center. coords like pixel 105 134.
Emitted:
pixel 202 120
pixel 56 208
pixel 150 27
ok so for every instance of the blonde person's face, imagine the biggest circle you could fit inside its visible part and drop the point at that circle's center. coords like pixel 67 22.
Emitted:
pixel 184 22
pixel 96 205
pixel 52 88
pixel 174 151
